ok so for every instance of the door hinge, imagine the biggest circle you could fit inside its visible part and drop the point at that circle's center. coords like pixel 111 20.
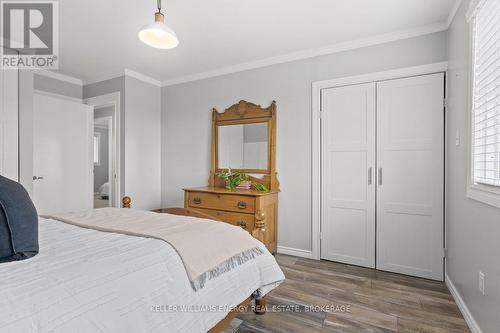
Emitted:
pixel 320 235
pixel 445 102
pixel 445 252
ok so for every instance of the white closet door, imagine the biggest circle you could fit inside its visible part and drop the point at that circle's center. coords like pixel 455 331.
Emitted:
pixel 347 173
pixel 62 155
pixel 9 124
pixel 410 161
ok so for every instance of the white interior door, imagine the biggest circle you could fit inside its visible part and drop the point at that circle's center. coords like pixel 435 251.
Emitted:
pixel 63 155
pixel 347 173
pixel 9 124
pixel 410 158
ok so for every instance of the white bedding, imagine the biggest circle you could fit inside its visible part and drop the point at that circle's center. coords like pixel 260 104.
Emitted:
pixel 104 189
pixel 90 281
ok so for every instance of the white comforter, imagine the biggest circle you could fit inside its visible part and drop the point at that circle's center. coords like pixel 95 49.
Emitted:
pixel 90 281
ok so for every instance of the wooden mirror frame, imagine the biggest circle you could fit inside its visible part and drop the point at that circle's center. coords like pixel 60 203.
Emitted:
pixel 246 113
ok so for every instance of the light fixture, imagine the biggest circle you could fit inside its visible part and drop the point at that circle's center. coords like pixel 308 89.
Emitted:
pixel 158 34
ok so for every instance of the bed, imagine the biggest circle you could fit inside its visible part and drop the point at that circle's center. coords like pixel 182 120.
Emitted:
pixel 84 280
pixel 104 191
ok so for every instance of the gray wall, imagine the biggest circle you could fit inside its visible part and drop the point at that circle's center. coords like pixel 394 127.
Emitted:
pixel 101 171
pixel 473 228
pixel 140 136
pixel 143 142
pixel 55 86
pixel 186 120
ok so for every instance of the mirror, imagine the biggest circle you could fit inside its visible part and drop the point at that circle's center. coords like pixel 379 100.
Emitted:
pixel 244 139
pixel 243 146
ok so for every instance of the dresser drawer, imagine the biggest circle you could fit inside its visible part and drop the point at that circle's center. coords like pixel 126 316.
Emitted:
pixel 246 221
pixel 228 202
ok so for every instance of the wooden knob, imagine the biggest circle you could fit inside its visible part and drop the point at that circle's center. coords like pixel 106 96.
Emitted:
pixel 126 202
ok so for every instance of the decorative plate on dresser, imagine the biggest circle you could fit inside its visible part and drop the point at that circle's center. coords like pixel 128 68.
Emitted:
pixel 243 143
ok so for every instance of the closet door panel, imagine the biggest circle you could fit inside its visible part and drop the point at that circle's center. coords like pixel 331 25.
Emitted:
pixel 9 124
pixel 348 155
pixel 410 161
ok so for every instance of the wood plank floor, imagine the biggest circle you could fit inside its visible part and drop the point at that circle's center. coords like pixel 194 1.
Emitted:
pixel 378 302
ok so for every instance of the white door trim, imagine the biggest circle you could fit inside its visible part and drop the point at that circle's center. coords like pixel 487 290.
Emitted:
pixel 51 94
pixel 112 99
pixel 317 86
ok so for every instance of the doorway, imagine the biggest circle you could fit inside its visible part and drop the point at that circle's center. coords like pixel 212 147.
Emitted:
pixel 106 157
pixel 103 164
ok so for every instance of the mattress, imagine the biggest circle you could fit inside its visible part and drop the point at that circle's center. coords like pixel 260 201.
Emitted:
pixel 85 280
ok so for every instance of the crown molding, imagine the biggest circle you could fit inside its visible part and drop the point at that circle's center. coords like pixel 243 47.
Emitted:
pixel 104 78
pixel 58 76
pixel 311 53
pixel 126 72
pixel 453 12
pixel 142 77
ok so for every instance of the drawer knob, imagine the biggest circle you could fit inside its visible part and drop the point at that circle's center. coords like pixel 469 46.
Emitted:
pixel 242 224
pixel 242 205
pixel 197 200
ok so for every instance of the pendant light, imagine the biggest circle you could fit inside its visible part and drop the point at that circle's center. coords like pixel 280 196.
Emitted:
pixel 158 34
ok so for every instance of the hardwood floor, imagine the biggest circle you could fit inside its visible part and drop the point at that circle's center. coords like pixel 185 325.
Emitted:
pixel 377 302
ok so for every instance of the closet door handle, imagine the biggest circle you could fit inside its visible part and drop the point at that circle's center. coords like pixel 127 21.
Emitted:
pixel 370 176
pixel 379 176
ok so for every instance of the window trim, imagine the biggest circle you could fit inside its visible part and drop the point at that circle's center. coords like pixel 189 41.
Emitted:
pixel 487 194
pixel 97 136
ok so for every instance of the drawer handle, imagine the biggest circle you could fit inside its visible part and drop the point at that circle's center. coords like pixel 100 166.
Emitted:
pixel 242 224
pixel 242 205
pixel 197 200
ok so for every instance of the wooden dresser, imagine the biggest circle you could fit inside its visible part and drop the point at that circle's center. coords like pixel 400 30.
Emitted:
pixel 252 210
pixel 243 143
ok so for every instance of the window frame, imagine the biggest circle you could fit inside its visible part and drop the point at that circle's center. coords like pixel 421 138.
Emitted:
pixel 488 194
pixel 97 136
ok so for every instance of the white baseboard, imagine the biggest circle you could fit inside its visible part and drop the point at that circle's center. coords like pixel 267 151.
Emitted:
pixel 473 325
pixel 295 252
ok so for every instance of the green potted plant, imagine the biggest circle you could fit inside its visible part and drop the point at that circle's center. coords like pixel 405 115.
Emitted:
pixel 232 178
pixel 260 187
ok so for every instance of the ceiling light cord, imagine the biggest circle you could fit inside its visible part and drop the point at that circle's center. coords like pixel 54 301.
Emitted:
pixel 158 4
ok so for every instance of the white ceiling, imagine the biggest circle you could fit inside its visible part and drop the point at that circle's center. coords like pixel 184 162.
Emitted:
pixel 98 38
